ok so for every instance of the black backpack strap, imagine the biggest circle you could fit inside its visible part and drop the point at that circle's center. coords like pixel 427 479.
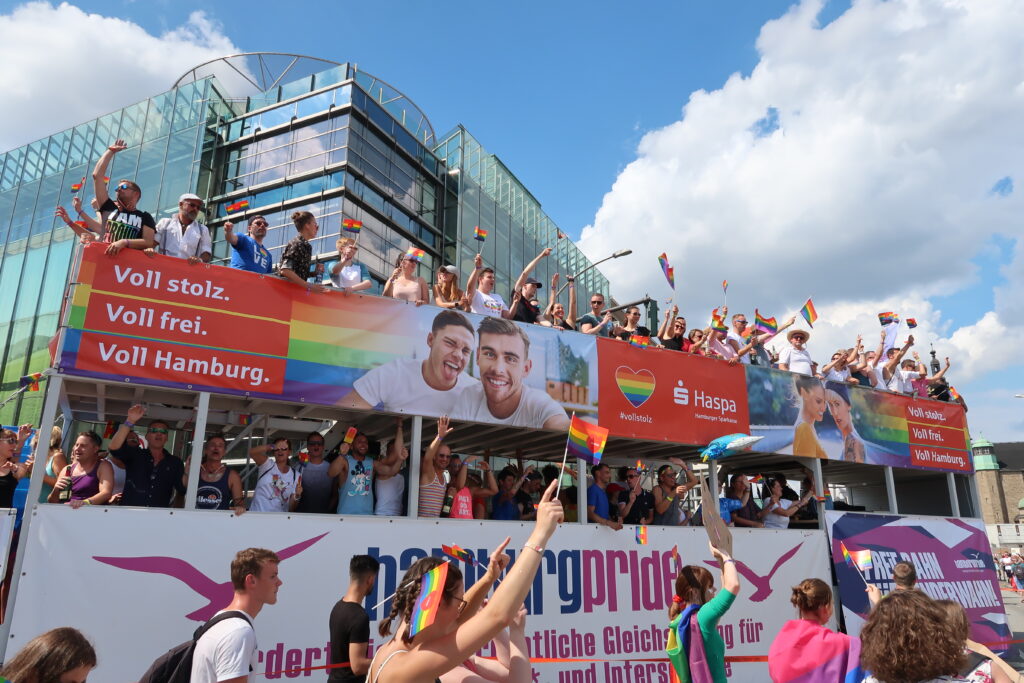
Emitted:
pixel 223 616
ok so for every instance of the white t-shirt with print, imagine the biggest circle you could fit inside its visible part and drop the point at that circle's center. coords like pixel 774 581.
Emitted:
pixel 488 304
pixel 399 387
pixel 273 488
pixel 774 521
pixel 740 343
pixel 224 652
pixel 797 360
pixel 902 380
pixel 535 408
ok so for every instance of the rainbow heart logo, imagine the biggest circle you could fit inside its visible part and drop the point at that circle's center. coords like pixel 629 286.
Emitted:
pixel 636 386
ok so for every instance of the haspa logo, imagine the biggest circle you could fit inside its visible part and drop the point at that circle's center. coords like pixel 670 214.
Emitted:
pixel 762 584
pixel 218 594
pixel 681 396
pixel 636 385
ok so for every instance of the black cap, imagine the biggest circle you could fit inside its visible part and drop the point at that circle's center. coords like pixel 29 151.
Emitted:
pixel 533 281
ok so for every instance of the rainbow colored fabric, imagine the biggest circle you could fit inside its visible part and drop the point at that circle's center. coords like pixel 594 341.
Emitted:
pixel 31 381
pixel 352 226
pixel 953 393
pixel 237 206
pixel 725 286
pixel 415 254
pixel 586 440
pixel 670 274
pixel 718 322
pixel 431 592
pixel 887 318
pixel 78 186
pixel 861 559
pixel 639 341
pixel 458 553
pixel 677 561
pixel 762 324
pixel 911 323
pixel 809 313
pixel 478 234
pixel 804 652
pixel 641 535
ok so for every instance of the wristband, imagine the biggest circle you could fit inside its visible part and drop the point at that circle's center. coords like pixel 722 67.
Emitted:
pixel 729 560
pixel 128 423
pixel 535 548
pixel 87 501
pixel 669 498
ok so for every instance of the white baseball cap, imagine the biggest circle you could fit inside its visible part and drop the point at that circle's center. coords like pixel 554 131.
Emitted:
pixel 189 195
pixel 451 269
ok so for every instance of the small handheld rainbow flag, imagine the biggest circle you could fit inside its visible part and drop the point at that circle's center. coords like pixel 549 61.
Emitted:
pixel 478 234
pixel 911 323
pixel 350 435
pixel 245 420
pixel 415 254
pixel 670 274
pixel 861 559
pixel 725 286
pixel 717 322
pixel 458 553
pixel 953 393
pixel 303 456
pixel 639 341
pixel 586 440
pixel 351 225
pixel 827 496
pixel 755 478
pixel 431 592
pixel 678 561
pixel 110 429
pixel 887 318
pixel 641 535
pixel 31 381
pixel 77 186
pixel 237 206
pixel 808 312
pixel 762 324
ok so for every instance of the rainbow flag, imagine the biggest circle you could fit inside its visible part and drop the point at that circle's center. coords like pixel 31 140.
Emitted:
pixel 415 254
pixel 676 560
pixel 762 324
pixel 641 535
pixel 670 274
pixel 351 225
pixel 586 440
pixel 887 318
pixel 911 323
pixel 823 498
pixel 303 456
pixel 755 478
pixel 953 393
pixel 458 553
pixel 350 435
pixel 82 224
pixel 808 312
pixel 237 206
pixel 478 234
pixel 725 286
pixel 31 381
pixel 817 655
pixel 245 420
pixel 110 429
pixel 717 322
pixel 861 559
pixel 639 341
pixel 78 186
pixel 431 592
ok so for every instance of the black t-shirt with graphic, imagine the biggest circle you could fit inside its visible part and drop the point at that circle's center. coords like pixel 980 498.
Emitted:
pixel 125 225
pixel 349 623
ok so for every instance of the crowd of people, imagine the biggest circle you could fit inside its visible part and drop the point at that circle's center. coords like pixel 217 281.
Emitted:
pixel 119 222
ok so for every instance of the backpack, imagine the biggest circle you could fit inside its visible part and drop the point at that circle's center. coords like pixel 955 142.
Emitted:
pixel 175 665
pixel 1018 571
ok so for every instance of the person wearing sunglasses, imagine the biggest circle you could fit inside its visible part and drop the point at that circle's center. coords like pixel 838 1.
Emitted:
pixel 247 251
pixel 278 487
pixel 597 323
pixel 126 226
pixel 182 235
pixel 10 469
pixel 152 474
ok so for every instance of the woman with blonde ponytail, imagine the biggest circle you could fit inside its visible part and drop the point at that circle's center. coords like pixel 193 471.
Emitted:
pixel 806 650
pixel 695 647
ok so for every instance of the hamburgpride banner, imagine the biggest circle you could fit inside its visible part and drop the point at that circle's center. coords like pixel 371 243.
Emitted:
pixel 952 557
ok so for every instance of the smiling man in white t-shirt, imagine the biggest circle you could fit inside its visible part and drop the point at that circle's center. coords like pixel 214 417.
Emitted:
pixel 503 360
pixel 227 652
pixel 408 385
pixel 795 358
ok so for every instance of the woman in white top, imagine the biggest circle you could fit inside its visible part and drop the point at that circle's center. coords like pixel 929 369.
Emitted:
pixel 458 629
pixel 779 509
pixel 390 485
pixel 348 274
pixel 796 358
pixel 405 284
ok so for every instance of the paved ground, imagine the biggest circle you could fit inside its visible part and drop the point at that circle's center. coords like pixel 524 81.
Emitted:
pixel 1015 616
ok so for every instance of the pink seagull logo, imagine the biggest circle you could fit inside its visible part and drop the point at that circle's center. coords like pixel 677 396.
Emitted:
pixel 218 594
pixel 762 584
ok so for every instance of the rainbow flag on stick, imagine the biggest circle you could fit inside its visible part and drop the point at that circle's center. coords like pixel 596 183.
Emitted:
pixel 762 324
pixel 887 318
pixel 676 560
pixel 953 393
pixel 808 312
pixel 639 341
pixel 718 322
pixel 76 187
pixel 109 429
pixel 415 254
pixel 911 323
pixel 478 234
pixel 237 206
pixel 429 600
pixel 861 559
pixel 670 274
pixel 458 553
pixel 586 440
pixel 31 381
pixel 641 535
pixel 725 286
pixel 352 226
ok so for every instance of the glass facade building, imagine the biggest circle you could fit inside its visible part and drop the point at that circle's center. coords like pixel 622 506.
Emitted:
pixel 329 139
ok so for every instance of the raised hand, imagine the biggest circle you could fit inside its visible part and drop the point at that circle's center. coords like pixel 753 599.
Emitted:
pixel 228 227
pixel 136 413
pixel 443 427
pixel 118 146
pixel 499 558
pixel 549 512
pixel 478 261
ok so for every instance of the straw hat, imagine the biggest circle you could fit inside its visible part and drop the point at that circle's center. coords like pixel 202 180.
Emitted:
pixel 789 335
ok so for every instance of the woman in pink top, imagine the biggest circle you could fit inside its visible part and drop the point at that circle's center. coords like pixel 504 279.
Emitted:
pixel 405 284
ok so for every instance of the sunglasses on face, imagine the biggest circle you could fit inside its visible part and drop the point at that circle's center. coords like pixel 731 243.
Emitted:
pixel 315 444
pixel 124 186
pixel 157 430
pixel 596 303
pixel 258 224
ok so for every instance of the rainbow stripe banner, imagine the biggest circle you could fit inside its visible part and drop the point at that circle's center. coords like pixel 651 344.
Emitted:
pixel 478 234
pixel 762 324
pixel 586 440
pixel 351 225
pixel 415 254
pixel 809 313
pixel 670 274
pixel 429 600
pixel 641 535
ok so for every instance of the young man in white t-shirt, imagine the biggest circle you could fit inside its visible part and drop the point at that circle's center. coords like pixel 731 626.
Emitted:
pixel 795 358
pixel 227 652
pixel 735 340
pixel 890 372
pixel 902 380
pixel 480 292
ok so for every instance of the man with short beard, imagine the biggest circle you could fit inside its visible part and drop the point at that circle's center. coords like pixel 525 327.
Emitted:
pixel 152 474
pixel 182 236
pixel 247 251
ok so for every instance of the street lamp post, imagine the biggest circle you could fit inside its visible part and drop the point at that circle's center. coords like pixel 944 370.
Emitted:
pixel 621 252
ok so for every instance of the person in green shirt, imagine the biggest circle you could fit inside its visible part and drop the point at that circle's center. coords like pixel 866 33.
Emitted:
pixel 698 655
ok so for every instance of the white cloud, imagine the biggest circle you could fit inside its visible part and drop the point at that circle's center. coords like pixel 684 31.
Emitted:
pixel 873 193
pixel 89 65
